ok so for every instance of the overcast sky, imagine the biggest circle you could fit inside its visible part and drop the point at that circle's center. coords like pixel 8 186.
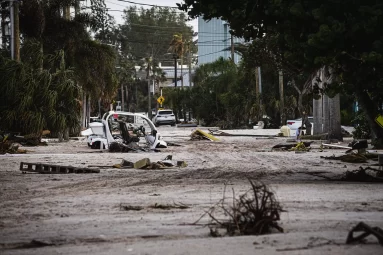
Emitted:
pixel 120 5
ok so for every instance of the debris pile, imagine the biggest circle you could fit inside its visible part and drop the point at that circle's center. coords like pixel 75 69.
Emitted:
pixel 366 231
pixel 127 207
pixel 349 158
pixel 145 163
pixel 367 174
pixel 302 146
pixel 255 212
pixel 10 147
pixel 201 135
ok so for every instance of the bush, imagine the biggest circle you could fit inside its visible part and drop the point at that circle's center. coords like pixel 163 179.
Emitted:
pixel 362 129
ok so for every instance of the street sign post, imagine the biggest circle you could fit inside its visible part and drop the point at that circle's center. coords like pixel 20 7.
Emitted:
pixel 161 100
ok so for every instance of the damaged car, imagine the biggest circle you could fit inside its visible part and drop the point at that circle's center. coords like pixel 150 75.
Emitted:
pixel 123 128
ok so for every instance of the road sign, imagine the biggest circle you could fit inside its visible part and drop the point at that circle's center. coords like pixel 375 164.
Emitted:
pixel 379 120
pixel 161 100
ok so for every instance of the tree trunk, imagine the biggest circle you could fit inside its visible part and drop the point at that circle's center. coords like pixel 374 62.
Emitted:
pixel 335 131
pixel 3 37
pixel 326 114
pixel 122 98
pixel 257 97
pixel 83 115
pixel 66 134
pixel 318 110
pixel 16 30
pixel 88 111
pixel 372 111
pixel 127 97
pixel 60 136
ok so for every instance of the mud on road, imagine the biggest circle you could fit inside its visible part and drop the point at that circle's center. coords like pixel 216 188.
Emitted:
pixel 82 214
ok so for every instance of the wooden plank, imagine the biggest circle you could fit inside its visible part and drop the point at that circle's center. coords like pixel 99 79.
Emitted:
pixel 336 146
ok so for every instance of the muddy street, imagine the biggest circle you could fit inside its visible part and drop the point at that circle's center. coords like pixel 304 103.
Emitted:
pixel 85 213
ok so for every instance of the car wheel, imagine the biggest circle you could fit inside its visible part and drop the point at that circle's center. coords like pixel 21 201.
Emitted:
pixel 96 145
pixel 173 124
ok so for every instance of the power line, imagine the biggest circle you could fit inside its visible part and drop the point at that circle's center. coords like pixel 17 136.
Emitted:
pixel 210 53
pixel 152 5
pixel 139 10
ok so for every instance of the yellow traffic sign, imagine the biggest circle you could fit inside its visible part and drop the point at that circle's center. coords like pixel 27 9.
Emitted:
pixel 379 120
pixel 160 100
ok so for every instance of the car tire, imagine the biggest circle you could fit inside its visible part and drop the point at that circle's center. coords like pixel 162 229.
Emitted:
pixel 96 145
pixel 173 124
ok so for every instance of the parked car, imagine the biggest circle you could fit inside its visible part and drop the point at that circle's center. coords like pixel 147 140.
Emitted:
pixel 164 117
pixel 297 123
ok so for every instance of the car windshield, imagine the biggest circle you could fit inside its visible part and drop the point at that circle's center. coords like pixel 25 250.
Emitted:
pixel 165 112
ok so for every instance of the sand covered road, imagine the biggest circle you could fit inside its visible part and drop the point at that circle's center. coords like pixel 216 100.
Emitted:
pixel 81 214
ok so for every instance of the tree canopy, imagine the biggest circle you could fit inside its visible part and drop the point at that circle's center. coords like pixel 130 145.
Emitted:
pixel 345 35
pixel 149 32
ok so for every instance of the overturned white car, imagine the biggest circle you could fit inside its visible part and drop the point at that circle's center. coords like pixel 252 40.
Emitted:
pixel 125 128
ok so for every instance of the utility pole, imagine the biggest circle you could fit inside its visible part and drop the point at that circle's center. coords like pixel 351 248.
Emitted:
pixel 12 16
pixel 149 94
pixel 3 22
pixel 232 48
pixel 189 62
pixel 77 7
pixel 175 70
pixel 281 98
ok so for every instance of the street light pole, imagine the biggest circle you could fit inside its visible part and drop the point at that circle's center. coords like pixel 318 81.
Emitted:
pixel 175 70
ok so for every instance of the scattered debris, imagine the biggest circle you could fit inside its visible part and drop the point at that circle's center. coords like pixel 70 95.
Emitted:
pixel 54 169
pixel 255 212
pixel 145 163
pixel 124 164
pixel 335 146
pixel 11 148
pixel 360 145
pixel 168 207
pixel 121 147
pixel 142 163
pixel 173 144
pixel 367 174
pixel 290 146
pixel 36 244
pixel 301 147
pixel 201 135
pixel 221 133
pixel 350 158
pixel 367 230
pixel 124 207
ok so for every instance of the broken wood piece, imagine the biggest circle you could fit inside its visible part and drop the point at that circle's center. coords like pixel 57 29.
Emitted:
pixel 289 146
pixel 168 207
pixel 201 134
pixel 367 230
pixel 54 169
pixel 142 163
pixel 336 146
pixel 130 207
pixel 182 164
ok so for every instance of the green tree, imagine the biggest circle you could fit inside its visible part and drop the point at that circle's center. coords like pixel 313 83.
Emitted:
pixel 344 35
pixel 38 98
pixel 149 32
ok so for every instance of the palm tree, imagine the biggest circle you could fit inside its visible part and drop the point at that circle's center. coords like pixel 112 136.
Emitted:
pixel 38 98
